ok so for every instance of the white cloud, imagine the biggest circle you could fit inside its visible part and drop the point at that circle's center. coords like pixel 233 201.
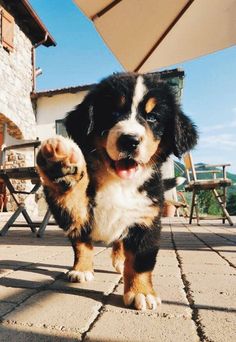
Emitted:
pixel 218 127
pixel 216 149
pixel 213 155
pixel 220 141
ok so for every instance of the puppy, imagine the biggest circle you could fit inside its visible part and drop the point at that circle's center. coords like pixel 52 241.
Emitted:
pixel 104 182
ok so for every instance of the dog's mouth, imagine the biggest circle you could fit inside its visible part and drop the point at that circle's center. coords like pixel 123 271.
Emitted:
pixel 124 168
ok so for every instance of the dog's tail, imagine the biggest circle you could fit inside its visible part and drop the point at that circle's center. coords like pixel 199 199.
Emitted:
pixel 170 183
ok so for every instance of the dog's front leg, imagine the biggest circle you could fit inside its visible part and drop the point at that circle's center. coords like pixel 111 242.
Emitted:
pixel 65 180
pixel 141 247
pixel 83 261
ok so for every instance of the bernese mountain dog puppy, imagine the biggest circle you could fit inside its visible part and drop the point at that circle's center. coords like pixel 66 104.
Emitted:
pixel 104 183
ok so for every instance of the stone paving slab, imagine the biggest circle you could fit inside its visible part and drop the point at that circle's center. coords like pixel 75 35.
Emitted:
pixel 218 326
pixel 56 310
pixel 14 295
pixel 18 333
pixel 140 327
pixel 5 308
pixel 195 276
pixel 28 278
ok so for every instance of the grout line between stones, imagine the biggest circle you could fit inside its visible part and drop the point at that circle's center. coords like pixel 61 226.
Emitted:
pixel 29 264
pixel 35 292
pixel 100 311
pixel 221 236
pixel 211 248
pixel 44 287
pixel 195 312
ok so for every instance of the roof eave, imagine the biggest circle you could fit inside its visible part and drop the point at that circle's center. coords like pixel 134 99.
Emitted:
pixel 49 40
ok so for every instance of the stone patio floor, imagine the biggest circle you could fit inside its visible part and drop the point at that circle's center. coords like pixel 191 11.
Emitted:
pixel 195 276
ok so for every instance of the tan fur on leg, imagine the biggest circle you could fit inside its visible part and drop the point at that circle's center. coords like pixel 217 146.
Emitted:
pixel 118 256
pixel 138 288
pixel 83 262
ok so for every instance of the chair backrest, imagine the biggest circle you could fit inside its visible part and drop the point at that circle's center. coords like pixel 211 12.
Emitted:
pixel 10 143
pixel 189 167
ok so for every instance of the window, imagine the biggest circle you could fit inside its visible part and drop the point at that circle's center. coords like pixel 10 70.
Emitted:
pixel 7 29
pixel 60 128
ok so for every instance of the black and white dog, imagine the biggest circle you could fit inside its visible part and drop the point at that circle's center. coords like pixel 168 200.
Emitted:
pixel 104 183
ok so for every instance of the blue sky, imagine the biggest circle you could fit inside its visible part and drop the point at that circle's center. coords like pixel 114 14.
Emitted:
pixel 81 57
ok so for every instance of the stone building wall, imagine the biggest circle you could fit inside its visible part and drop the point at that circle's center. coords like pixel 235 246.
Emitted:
pixel 14 160
pixel 16 72
pixel 16 108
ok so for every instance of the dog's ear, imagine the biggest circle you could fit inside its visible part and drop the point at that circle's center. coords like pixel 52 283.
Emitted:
pixel 79 122
pixel 185 134
pixel 180 134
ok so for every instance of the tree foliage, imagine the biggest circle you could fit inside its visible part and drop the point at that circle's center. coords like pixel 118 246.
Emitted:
pixel 207 203
pixel 231 203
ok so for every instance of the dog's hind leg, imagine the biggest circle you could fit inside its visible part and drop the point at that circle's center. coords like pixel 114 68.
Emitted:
pixel 62 168
pixel 118 256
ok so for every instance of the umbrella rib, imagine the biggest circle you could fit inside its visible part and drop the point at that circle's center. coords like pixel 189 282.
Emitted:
pixel 174 22
pixel 105 9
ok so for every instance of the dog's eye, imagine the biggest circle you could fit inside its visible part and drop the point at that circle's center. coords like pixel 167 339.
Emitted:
pixel 116 115
pixel 151 118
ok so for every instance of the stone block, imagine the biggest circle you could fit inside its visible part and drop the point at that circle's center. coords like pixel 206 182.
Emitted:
pixel 34 334
pixel 57 311
pixel 14 295
pixel 140 327
pixel 5 308
pixel 209 283
pixel 28 278
pixel 218 326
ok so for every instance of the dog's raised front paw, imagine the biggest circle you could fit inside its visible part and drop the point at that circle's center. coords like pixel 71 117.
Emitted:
pixel 79 276
pixel 61 160
pixel 141 301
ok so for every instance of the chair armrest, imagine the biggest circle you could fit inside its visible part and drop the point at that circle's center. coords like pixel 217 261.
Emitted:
pixel 223 171
pixel 213 172
pixel 208 171
pixel 34 144
pixel 223 168
pixel 217 165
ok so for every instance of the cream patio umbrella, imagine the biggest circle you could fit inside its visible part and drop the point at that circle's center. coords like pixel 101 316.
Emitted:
pixel 149 34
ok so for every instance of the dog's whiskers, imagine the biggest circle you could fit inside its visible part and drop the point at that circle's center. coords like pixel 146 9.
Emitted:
pixel 103 132
pixel 120 156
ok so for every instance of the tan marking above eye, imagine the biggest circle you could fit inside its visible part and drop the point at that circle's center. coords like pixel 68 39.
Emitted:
pixel 151 103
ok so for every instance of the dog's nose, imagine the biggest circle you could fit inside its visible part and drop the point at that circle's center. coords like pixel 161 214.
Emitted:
pixel 128 142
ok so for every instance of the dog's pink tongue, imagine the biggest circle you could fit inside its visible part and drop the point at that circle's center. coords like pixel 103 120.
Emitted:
pixel 126 168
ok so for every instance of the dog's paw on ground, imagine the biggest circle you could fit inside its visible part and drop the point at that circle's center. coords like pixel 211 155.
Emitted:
pixel 79 276
pixel 59 157
pixel 141 301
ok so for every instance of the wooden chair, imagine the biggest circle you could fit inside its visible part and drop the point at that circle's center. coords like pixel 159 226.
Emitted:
pixel 214 184
pixel 3 196
pixel 8 174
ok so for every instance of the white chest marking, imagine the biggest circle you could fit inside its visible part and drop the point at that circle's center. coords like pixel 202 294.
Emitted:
pixel 118 206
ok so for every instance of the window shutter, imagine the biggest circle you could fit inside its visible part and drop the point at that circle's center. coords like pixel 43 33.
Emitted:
pixel 7 32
